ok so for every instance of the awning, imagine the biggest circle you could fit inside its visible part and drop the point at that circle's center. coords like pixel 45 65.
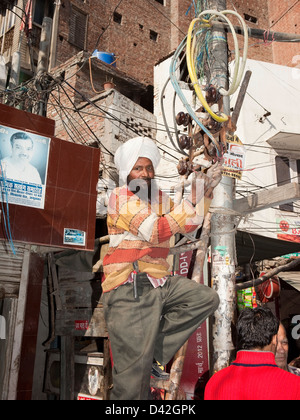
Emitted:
pixel 251 247
pixel 292 278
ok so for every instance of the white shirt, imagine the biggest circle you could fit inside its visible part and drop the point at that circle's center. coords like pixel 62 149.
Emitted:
pixel 28 175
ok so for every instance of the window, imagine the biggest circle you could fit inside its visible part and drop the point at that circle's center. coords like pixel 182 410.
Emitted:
pixel 251 19
pixel 42 8
pixel 287 170
pixel 7 17
pixel 78 28
pixel 161 2
pixel 153 36
pixel 118 18
pixel 39 12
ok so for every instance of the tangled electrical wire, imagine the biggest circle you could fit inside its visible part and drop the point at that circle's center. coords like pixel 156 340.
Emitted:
pixel 206 126
pixel 29 94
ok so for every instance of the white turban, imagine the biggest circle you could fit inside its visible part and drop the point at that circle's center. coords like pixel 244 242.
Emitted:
pixel 128 154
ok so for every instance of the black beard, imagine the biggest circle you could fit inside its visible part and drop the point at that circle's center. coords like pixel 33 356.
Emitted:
pixel 143 188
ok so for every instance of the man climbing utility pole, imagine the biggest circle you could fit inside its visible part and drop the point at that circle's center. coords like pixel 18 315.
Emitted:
pixel 222 228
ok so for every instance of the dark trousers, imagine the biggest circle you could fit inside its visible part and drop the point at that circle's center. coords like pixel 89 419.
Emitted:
pixel 155 325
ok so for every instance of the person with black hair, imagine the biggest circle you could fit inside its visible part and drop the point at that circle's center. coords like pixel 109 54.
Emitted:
pixel 17 166
pixel 254 374
pixel 282 352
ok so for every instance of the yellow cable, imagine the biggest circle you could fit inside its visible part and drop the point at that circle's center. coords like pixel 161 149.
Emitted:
pixel 193 75
pixel 238 69
pixel 223 16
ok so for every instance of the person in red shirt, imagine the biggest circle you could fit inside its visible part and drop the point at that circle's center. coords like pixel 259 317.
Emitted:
pixel 254 374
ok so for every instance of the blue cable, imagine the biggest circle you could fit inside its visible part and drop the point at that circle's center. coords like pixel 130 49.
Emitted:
pixel 189 9
pixel 6 222
pixel 181 95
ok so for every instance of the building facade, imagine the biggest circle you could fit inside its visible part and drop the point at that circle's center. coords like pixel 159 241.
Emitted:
pixel 139 33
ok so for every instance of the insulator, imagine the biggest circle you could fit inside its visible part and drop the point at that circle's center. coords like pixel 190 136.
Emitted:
pixel 183 119
pixel 182 167
pixel 212 95
pixel 180 118
pixel 185 142
pixel 187 120
pixel 214 126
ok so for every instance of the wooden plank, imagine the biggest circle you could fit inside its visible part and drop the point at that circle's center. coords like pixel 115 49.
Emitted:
pixel 19 329
pixel 107 371
pixel 10 269
pixel 256 282
pixel 81 323
pixel 10 307
pixel 78 289
pixel 65 275
pixel 67 369
pixel 267 198
pixel 52 267
pixel 241 98
pixel 80 294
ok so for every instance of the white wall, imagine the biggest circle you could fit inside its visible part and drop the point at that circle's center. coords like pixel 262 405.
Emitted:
pixel 275 89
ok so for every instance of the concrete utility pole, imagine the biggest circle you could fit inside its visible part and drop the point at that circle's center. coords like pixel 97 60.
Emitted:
pixel 15 70
pixel 53 48
pixel 222 226
pixel 3 73
pixel 43 62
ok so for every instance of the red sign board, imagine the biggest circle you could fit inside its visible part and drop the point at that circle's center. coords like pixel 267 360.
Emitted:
pixel 67 216
pixel 82 325
pixel 82 397
pixel 196 366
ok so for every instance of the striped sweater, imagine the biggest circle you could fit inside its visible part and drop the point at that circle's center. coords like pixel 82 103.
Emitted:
pixel 140 231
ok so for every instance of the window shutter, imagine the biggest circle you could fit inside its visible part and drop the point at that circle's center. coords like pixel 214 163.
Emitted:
pixel 283 170
pixel 78 26
pixel 283 178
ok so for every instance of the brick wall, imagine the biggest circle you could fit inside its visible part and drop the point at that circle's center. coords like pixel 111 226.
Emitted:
pixel 278 16
pixel 113 120
pixel 284 17
pixel 256 14
pixel 139 40
pixel 145 31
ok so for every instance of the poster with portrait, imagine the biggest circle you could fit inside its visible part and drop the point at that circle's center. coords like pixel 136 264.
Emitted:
pixel 24 160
